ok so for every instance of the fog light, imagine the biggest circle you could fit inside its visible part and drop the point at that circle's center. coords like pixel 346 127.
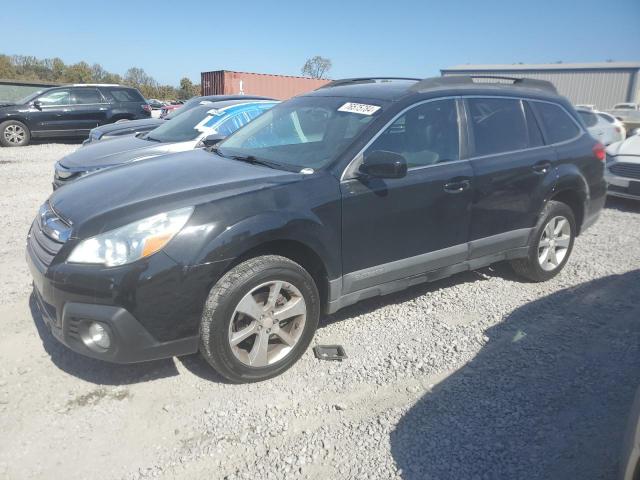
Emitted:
pixel 98 335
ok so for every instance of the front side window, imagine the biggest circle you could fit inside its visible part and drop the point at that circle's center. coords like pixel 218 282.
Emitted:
pixel 55 97
pixel 425 135
pixel 84 96
pixel 557 123
pixel 303 132
pixel 498 125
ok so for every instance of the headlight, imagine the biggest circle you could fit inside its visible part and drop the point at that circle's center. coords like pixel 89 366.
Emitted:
pixel 131 242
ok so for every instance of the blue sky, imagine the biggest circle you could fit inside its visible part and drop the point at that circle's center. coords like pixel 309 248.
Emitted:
pixel 171 39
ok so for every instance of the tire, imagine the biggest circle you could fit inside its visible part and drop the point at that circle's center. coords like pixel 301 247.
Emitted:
pixel 230 338
pixel 556 217
pixel 14 134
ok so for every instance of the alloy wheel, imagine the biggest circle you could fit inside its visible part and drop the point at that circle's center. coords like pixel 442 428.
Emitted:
pixel 267 323
pixel 554 243
pixel 14 134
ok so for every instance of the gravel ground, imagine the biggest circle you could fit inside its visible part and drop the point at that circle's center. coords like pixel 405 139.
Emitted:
pixel 477 376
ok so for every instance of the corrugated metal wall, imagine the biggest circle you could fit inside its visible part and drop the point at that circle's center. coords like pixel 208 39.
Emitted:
pixel 597 87
pixel 225 82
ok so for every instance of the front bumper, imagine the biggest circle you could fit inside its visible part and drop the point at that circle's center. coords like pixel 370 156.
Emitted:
pixel 151 310
pixel 622 187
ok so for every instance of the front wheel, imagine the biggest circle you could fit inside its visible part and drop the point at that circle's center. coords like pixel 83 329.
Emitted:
pixel 259 319
pixel 14 134
pixel 551 245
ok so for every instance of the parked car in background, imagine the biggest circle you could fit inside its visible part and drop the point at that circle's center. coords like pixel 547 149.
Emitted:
pixel 623 168
pixel 122 127
pixel 630 464
pixel 167 109
pixel 184 132
pixel 586 106
pixel 600 128
pixel 155 104
pixel 628 113
pixel 68 111
pixel 360 188
pixel 619 126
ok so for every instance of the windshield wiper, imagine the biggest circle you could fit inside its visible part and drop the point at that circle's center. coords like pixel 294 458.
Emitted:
pixel 246 158
pixel 254 160
pixel 151 139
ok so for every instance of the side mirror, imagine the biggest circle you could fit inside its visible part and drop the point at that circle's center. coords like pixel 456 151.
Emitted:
pixel 211 140
pixel 37 104
pixel 383 164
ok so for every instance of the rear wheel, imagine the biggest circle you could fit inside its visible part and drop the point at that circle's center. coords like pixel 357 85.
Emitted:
pixel 259 319
pixel 551 246
pixel 14 134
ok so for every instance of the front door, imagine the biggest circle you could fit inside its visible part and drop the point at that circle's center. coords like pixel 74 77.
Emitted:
pixel 49 117
pixel 398 228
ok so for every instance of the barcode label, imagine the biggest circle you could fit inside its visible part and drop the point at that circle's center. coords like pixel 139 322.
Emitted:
pixel 361 108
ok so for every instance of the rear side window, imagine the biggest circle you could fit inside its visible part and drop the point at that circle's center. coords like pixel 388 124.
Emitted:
pixel 125 95
pixel 498 125
pixel 557 122
pixel 425 135
pixel 83 96
pixel 589 119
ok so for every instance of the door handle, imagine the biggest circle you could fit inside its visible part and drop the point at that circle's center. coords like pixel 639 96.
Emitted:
pixel 542 167
pixel 457 187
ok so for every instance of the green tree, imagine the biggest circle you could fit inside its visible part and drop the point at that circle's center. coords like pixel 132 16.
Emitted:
pixel 6 67
pixel 78 73
pixel 187 89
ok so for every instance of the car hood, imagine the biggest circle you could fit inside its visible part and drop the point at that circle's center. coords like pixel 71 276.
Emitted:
pixel 131 124
pixel 121 195
pixel 7 104
pixel 114 152
pixel 630 146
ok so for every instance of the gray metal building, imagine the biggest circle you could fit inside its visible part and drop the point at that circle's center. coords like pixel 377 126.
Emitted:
pixel 600 84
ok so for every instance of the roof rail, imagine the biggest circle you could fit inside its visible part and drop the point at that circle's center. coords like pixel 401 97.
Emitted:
pixel 92 85
pixel 348 81
pixel 462 80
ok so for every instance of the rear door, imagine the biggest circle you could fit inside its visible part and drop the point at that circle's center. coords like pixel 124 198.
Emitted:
pixel 398 228
pixel 513 170
pixel 88 109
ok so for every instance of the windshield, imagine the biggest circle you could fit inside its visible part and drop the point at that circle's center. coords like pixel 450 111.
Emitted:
pixel 182 128
pixel 302 132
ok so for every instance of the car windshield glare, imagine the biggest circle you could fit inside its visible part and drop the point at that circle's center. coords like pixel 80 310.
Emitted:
pixel 182 128
pixel 29 97
pixel 305 132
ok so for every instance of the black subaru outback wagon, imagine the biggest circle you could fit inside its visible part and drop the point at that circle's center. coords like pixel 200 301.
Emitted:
pixel 68 111
pixel 360 188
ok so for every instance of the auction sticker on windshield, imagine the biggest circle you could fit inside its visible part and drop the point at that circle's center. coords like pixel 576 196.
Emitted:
pixel 361 108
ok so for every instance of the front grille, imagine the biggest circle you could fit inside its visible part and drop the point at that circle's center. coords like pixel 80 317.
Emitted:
pixel 625 169
pixel 47 235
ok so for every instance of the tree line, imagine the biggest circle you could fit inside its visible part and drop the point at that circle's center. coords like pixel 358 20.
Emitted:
pixel 54 70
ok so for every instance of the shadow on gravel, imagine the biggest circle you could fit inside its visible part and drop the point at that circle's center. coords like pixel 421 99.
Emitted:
pixel 97 371
pixel 60 141
pixel 548 397
pixel 623 204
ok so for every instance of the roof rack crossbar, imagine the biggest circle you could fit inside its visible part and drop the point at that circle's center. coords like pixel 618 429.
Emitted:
pixel 347 81
pixel 452 80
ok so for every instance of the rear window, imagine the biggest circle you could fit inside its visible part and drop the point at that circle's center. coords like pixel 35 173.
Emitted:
pixel 557 122
pixel 589 119
pixel 498 125
pixel 608 118
pixel 125 95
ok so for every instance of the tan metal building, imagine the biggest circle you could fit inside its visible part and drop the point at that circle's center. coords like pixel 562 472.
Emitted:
pixel 600 84
pixel 226 82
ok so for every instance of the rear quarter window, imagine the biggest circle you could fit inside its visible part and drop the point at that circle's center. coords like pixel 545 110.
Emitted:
pixel 125 95
pixel 558 125
pixel 589 119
